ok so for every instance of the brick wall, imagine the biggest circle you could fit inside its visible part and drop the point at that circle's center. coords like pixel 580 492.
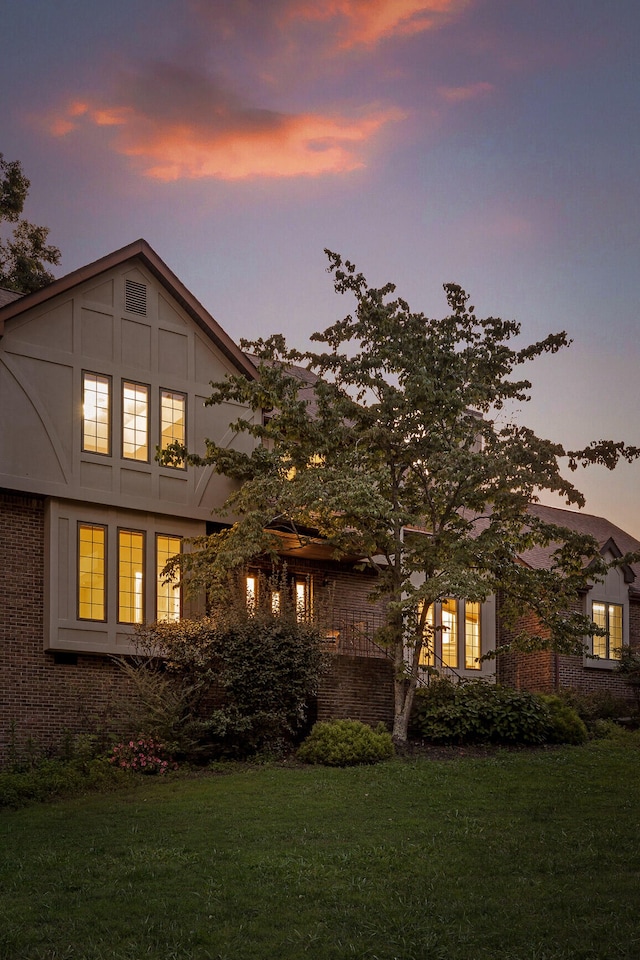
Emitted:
pixel 41 700
pixel 546 672
pixel 357 688
pixel 44 697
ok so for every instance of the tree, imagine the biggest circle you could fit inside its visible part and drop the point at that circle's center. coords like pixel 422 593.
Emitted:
pixel 400 453
pixel 24 255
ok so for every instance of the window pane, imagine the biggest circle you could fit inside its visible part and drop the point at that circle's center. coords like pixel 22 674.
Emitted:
pixel 302 593
pixel 615 630
pixel 96 413
pixel 135 421
pixel 471 636
pixel 450 633
pixel 167 594
pixel 130 576
pixel 91 572
pixel 599 616
pixel 172 419
pixel 427 658
pixel 251 589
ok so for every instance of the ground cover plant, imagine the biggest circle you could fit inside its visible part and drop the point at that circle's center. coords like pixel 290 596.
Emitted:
pixel 516 855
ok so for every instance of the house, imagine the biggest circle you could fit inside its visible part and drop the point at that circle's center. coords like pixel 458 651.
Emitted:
pixel 98 370
pixel 613 604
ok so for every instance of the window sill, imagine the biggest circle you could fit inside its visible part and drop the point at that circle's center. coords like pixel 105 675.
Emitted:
pixel 600 664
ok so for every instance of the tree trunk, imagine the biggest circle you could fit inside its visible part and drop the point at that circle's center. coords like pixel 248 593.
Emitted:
pixel 404 686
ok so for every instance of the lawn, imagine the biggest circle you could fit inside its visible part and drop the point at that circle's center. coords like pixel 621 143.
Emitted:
pixel 531 855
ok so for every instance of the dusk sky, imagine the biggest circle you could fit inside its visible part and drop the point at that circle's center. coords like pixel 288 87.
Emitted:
pixel 492 143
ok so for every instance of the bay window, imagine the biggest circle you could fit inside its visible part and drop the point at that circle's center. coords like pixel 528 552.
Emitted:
pixel 92 571
pixel 167 590
pixel 130 576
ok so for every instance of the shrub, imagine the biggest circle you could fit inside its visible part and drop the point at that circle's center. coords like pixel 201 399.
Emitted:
pixel 346 743
pixel 629 668
pixel 222 687
pixel 593 708
pixel 142 756
pixel 566 725
pixel 479 712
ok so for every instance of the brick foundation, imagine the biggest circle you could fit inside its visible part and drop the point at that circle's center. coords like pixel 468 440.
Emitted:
pixel 42 698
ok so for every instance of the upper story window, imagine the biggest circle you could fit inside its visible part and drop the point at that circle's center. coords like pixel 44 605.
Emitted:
pixel 135 421
pixel 173 409
pixel 135 417
pixel 96 413
pixel 608 616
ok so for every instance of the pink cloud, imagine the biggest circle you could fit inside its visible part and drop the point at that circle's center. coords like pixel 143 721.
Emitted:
pixel 367 22
pixel 180 124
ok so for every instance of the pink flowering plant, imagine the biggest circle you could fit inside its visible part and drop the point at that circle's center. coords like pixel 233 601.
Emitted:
pixel 144 755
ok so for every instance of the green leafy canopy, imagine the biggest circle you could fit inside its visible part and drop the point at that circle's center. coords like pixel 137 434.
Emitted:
pixel 389 442
pixel 23 255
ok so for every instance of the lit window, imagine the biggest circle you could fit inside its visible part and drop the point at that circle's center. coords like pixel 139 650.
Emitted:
pixel 135 421
pixel 302 595
pixel 96 413
pixel 130 576
pixel 427 653
pixel 472 636
pixel 450 633
pixel 167 592
pixel 608 616
pixel 172 419
pixel 91 572
pixel 251 592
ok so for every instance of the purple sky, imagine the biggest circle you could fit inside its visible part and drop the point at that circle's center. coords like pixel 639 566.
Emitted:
pixel 493 143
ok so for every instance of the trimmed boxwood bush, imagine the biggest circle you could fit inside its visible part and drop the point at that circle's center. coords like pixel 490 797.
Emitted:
pixel 346 743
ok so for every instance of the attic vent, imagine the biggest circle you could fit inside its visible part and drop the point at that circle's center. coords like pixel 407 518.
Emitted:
pixel 135 297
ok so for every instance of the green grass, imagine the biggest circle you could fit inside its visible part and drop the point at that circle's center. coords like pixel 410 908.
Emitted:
pixel 515 856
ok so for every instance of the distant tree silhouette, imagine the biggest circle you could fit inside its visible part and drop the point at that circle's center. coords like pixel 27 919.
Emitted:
pixel 25 252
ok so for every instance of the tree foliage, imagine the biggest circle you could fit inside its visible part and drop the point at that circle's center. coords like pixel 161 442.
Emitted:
pixel 399 451
pixel 25 252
